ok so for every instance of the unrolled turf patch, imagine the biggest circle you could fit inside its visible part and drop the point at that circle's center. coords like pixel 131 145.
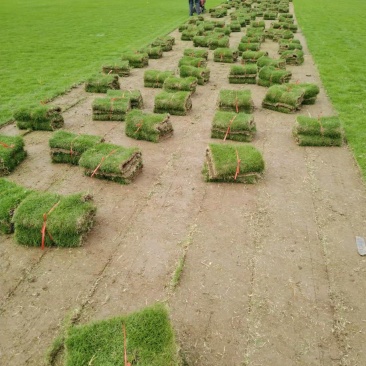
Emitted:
pixel 12 153
pixel 178 103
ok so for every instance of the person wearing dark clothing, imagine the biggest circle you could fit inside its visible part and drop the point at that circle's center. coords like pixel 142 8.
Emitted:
pixel 194 6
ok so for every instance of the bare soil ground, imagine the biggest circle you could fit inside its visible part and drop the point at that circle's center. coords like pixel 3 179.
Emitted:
pixel 272 275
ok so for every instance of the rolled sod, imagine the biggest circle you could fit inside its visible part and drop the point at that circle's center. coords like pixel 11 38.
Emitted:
pixel 233 163
pixel 293 57
pixel 121 68
pixel 166 43
pixel 311 92
pixel 258 24
pixel 235 26
pixel 189 33
pixel 67 218
pixel 289 45
pixel 226 55
pixel 67 147
pixel 156 78
pixel 111 109
pixel 268 15
pixel 134 95
pixel 251 57
pixel 174 84
pixel 218 42
pixel 243 74
pixel 196 53
pixel 268 61
pixel 242 47
pixel 192 61
pixel 233 126
pixel 43 117
pixel 178 103
pixel 101 83
pixel 112 162
pixel 148 126
pixel 153 52
pixel 251 39
pixel 135 58
pixel 224 30
pixel 235 101
pixel 202 74
pixel 12 153
pixel 269 75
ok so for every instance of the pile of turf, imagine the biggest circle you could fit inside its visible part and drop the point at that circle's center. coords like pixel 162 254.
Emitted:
pixel 134 96
pixel 148 126
pixel 233 126
pixel 67 147
pixel 193 61
pixel 153 52
pixel 233 163
pixel 284 98
pixel 258 24
pixel 148 335
pixel 202 74
pixel 269 75
pixel 256 32
pixel 235 26
pixel 226 55
pixel 293 57
pixel 243 47
pixel 268 15
pixel 111 109
pixel 178 103
pixel 43 117
pixel 101 83
pixel 12 153
pixel 251 57
pixel 65 220
pixel 11 195
pixel 201 41
pixel 243 74
pixel 268 61
pixel 166 43
pixel 156 78
pixel 311 91
pixel 323 131
pixel 251 39
pixel 289 45
pixel 112 162
pixel 174 84
pixel 236 101
pixel 223 30
pixel 121 68
pixel 136 59
pixel 189 33
pixel 196 53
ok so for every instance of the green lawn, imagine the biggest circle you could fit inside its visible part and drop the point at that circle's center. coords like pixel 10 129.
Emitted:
pixel 335 33
pixel 48 46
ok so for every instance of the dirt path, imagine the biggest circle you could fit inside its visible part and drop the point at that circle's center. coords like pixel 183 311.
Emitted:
pixel 272 275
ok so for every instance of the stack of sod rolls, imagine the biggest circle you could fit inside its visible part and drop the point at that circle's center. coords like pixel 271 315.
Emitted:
pixel 67 147
pixel 174 84
pixel 268 15
pixel 311 91
pixel 235 101
pixel 219 12
pixel 202 74
pixel 112 162
pixel 269 75
pixel 268 61
pixel 293 57
pixel 243 47
pixel 136 59
pixel 189 33
pixel 134 96
pixel 49 219
pixel 225 55
pixel 289 45
pixel 166 43
pixel 12 153
pixel 323 131
pixel 121 68
pixel 44 117
pixel 256 32
pixel 148 126
pixel 235 26
pixel 101 83
pixel 153 52
pixel 196 53
pixel 258 24
pixel 111 109
pixel 233 163
pixel 178 103
pixel 251 39
pixel 193 61
pixel 224 30
pixel 11 195
pixel 251 57
pixel 156 78
pixel 243 74
pixel 233 126
pixel 218 41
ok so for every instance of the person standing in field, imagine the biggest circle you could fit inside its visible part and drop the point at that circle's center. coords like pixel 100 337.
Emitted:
pixel 194 6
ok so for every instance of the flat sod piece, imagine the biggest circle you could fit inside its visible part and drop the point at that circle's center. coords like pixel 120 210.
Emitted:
pixel 156 78
pixel 202 74
pixel 111 109
pixel 235 101
pixel 178 103
pixel 11 195
pixel 67 147
pixel 251 57
pixel 192 61
pixel 233 126
pixel 269 75
pixel 134 95
pixel 12 153
pixel 196 53
pixel 101 83
pixel 323 131
pixel 268 61
pixel 121 68
pixel 148 126
pixel 243 74
pixel 226 55
pixel 43 117
pixel 233 163
pixel 135 58
pixel 112 162
pixel 153 52
pixel 67 219
pixel 174 84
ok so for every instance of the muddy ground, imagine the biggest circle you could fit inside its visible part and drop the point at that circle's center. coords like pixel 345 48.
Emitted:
pixel 272 275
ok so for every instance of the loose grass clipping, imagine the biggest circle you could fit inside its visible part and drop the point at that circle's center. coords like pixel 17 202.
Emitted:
pixel 233 163
pixel 111 109
pixel 101 83
pixel 202 74
pixel 269 75
pixel 65 219
pixel 156 78
pixel 12 153
pixel 112 162
pixel 243 74
pixel 134 95
pixel 225 55
pixel 235 101
pixel 174 84
pixel 148 126
pixel 121 68
pixel 178 103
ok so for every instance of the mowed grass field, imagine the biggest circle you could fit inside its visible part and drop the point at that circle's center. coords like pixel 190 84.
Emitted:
pixel 48 46
pixel 335 33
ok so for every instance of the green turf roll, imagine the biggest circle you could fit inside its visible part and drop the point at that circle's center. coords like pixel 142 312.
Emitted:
pixel 235 26
pixel 293 57
pixel 268 61
pixel 101 83
pixel 153 52
pixel 196 53
pixel 156 78
pixel 178 103
pixel 135 58
pixel 166 43
pixel 134 95
pixel 12 153
pixel 311 92
pixel 268 15
pixel 148 126
pixel 112 162
pixel 174 84
pixel 121 68
pixel 256 32
pixel 223 30
pixel 111 109
pixel 269 75
pixel 251 39
pixel 192 61
pixel 202 74
pixel 251 57
pixel 289 45
pixel 258 24
pixel 225 55
pixel 235 100
pixel 243 74
pixel 219 13
pixel 218 42
pixel 189 33
pixel 243 47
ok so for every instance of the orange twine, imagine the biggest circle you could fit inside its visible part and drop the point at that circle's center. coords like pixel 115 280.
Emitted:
pixel 6 145
pixel 237 164
pixel 228 128
pixel 101 161
pixel 44 226
pixel 125 345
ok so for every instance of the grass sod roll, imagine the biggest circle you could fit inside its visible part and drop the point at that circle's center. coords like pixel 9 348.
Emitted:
pixel 67 147
pixel 268 61
pixel 288 45
pixel 258 24
pixel 178 103
pixel 196 53
pixel 243 74
pixel 243 47
pixel 251 39
pixel 174 84
pixel 269 75
pixel 134 95
pixel 218 42
pixel 43 117
pixel 12 153
pixel 251 57
pixel 189 34
pixel 233 126
pixel 235 101
pixel 121 68
pixel 148 126
pixel 101 83
pixel 166 43
pixel 67 218
pixel 136 59
pixel 233 163
pixel 311 92
pixel 225 55
pixel 202 74
pixel 111 109
pixel 235 26
pixel 192 61
pixel 201 41
pixel 112 162
pixel 156 78
pixel 224 30
pixel 293 57
pixel 153 52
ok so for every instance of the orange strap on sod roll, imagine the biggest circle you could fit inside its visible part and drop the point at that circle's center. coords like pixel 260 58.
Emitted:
pixel 237 164
pixel 228 128
pixel 103 158
pixel 139 125
pixel 44 226
pixel 6 145
pixel 125 345
pixel 236 105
